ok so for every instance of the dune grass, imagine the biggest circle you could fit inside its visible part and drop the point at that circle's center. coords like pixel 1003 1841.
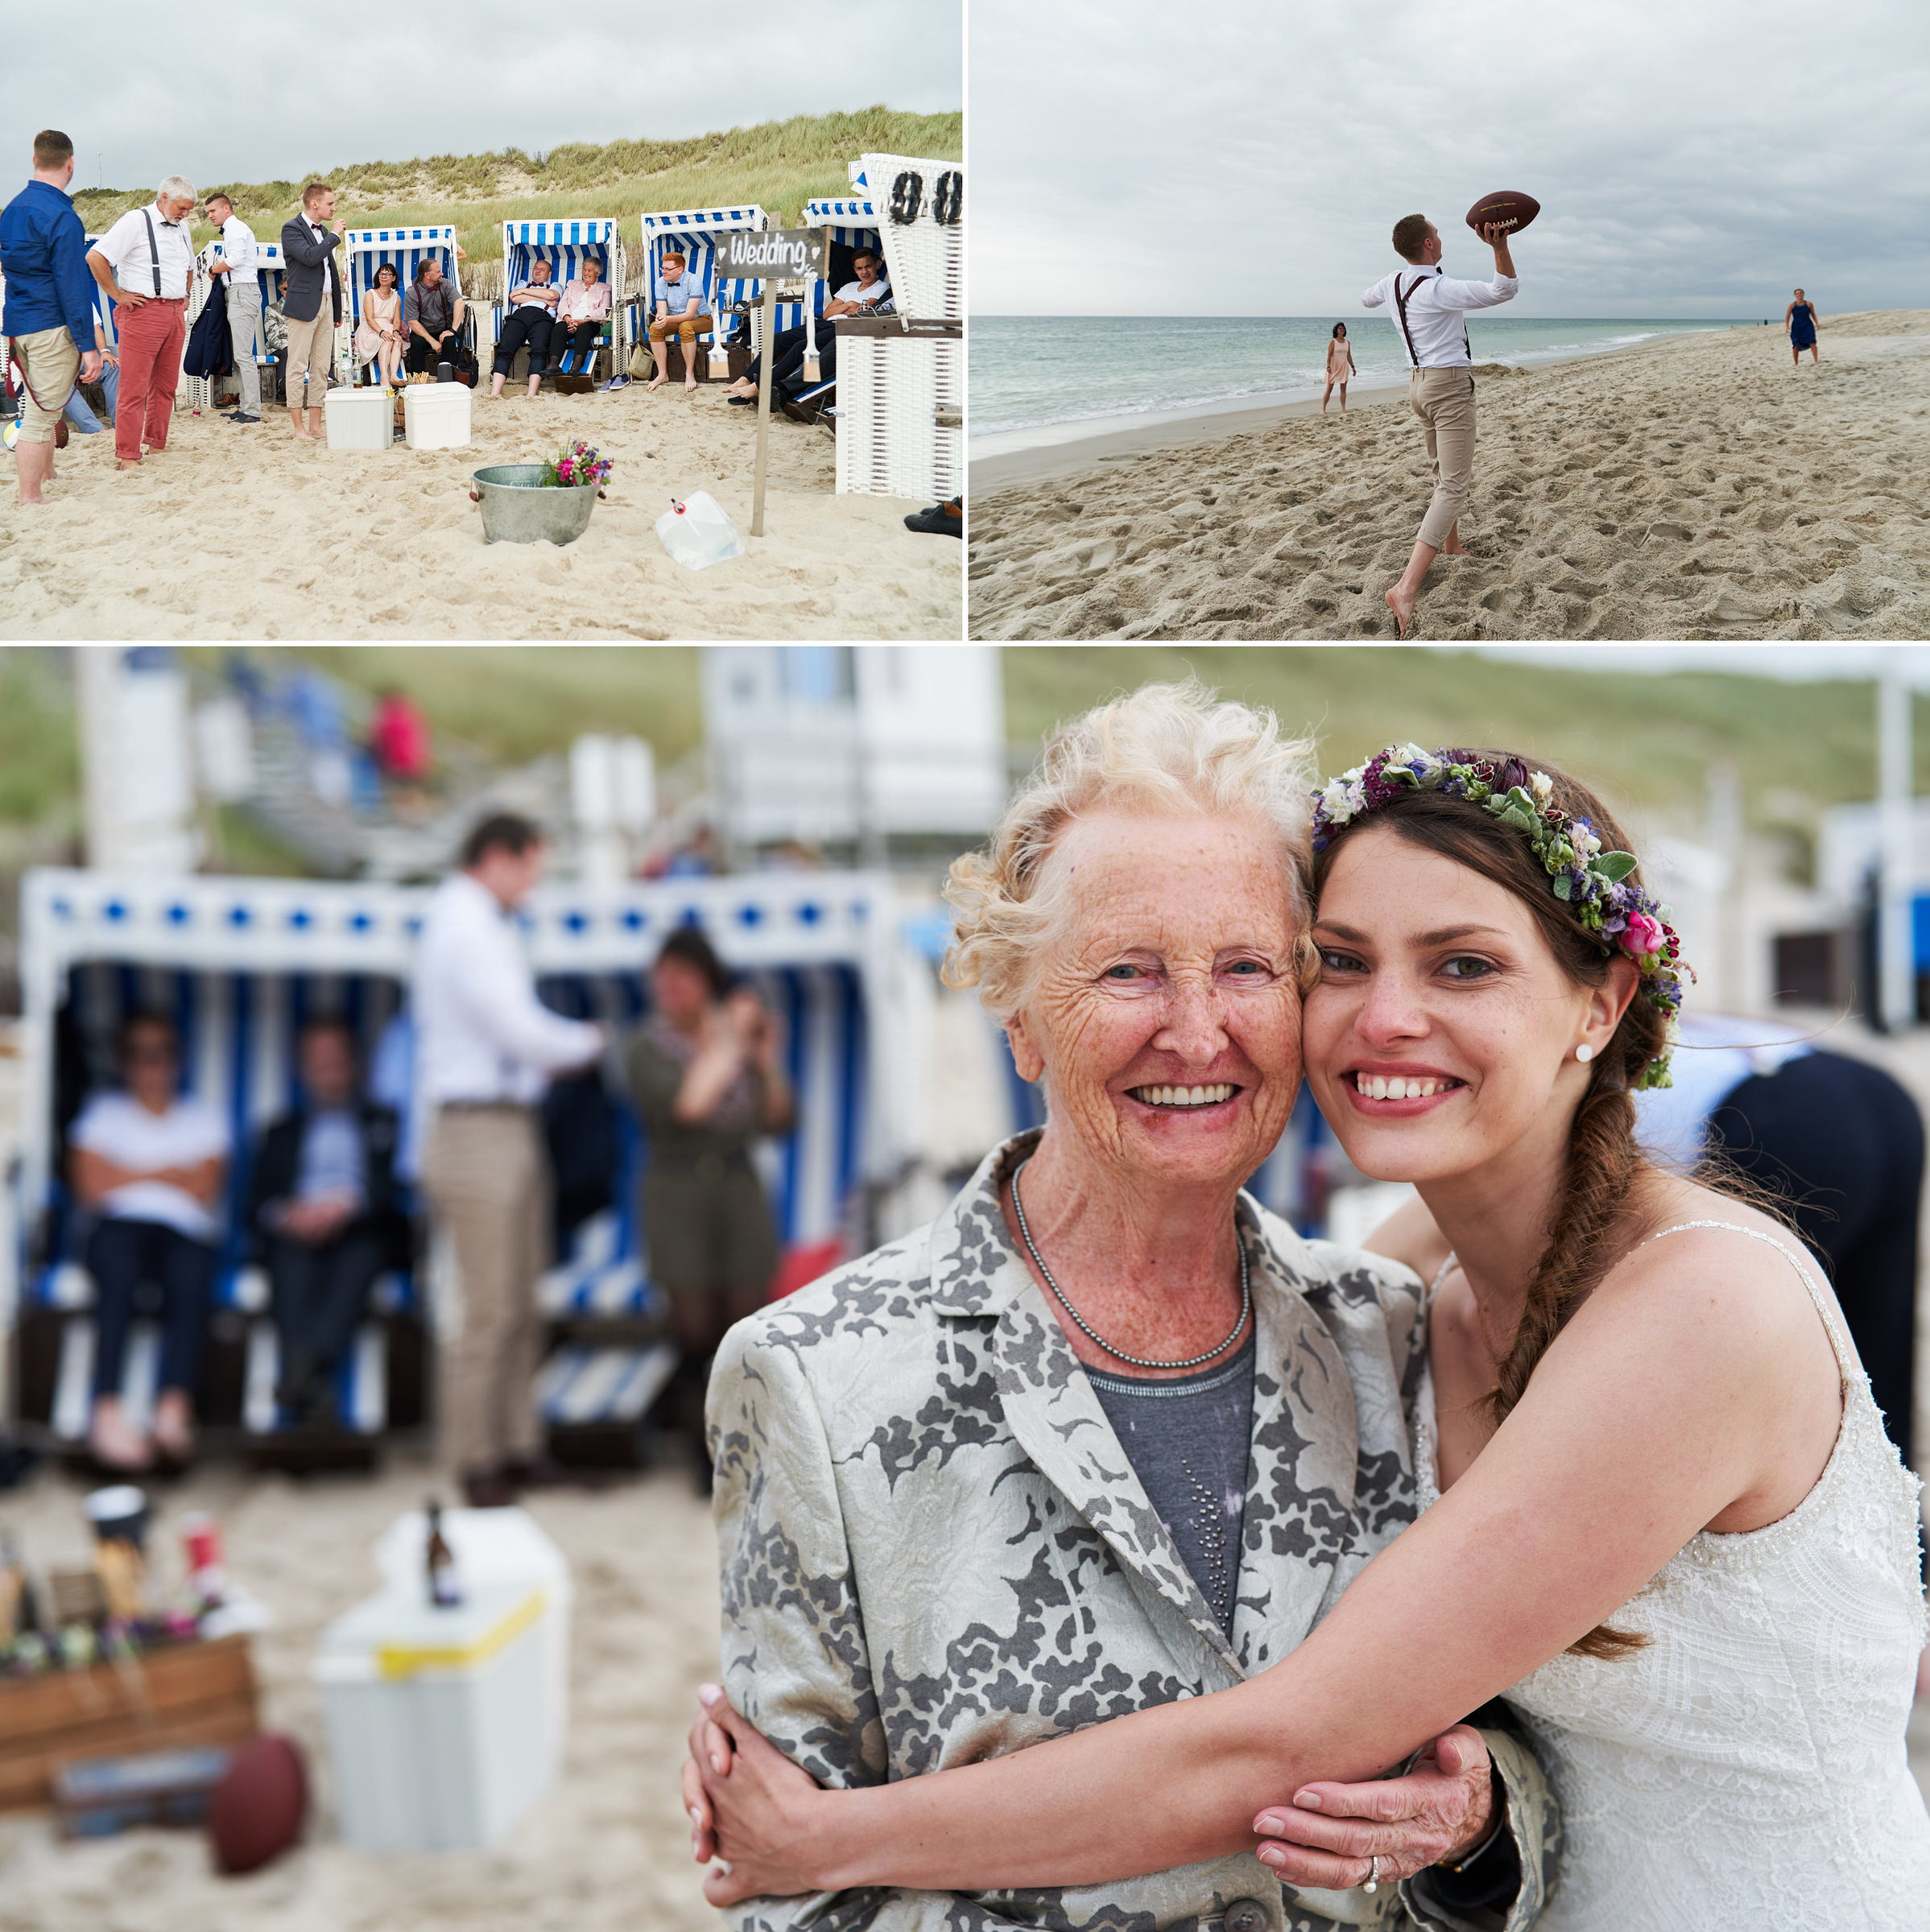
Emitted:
pixel 777 165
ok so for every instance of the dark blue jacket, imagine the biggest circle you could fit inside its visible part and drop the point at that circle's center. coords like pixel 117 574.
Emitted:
pixel 210 350
pixel 43 253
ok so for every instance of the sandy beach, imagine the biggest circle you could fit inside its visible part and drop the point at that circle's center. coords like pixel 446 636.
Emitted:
pixel 1695 486
pixel 608 1851
pixel 247 533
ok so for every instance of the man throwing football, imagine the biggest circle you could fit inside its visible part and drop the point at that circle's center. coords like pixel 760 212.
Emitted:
pixel 1429 308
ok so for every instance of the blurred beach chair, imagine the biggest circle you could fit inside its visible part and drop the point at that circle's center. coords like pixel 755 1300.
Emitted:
pixel 694 233
pixel 901 377
pixel 240 964
pixel 365 250
pixel 562 244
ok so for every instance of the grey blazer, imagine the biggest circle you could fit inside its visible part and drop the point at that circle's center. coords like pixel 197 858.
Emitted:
pixel 934 1550
pixel 310 266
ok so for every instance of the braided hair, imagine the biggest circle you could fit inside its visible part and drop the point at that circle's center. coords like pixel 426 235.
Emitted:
pixel 1602 1176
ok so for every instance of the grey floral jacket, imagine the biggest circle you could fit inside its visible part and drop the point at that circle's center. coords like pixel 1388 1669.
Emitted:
pixel 934 1550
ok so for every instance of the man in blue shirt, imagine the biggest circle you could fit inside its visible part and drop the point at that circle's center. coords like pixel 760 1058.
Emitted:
pixel 50 309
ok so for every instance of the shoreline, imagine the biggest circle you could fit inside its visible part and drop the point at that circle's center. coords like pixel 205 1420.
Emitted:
pixel 1697 486
pixel 1015 457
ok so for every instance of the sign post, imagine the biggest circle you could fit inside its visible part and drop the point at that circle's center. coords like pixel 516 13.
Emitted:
pixel 781 254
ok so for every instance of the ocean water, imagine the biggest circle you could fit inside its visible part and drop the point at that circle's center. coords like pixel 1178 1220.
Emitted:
pixel 1028 372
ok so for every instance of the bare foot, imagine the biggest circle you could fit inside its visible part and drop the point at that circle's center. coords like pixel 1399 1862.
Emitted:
pixel 128 463
pixel 1401 603
pixel 1453 548
pixel 656 381
pixel 174 1425
pixel 114 1440
pixel 690 382
pixel 308 435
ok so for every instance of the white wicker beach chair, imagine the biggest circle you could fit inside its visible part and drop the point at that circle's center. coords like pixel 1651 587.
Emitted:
pixel 365 249
pixel 271 276
pixel 562 244
pixel 901 390
pixel 694 233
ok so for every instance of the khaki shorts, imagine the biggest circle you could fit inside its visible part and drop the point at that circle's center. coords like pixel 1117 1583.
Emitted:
pixel 689 327
pixel 51 362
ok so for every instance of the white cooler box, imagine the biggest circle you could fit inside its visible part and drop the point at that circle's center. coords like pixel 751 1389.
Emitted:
pixel 438 1720
pixel 359 418
pixel 435 415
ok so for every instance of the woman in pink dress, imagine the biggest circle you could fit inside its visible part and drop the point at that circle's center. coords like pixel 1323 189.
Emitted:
pixel 378 336
pixel 1340 366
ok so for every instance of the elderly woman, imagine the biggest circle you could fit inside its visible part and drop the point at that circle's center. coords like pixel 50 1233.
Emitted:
pixel 582 310
pixel 1106 1433
pixel 528 324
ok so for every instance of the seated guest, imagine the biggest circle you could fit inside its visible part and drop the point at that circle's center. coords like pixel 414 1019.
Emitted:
pixel 679 297
pixel 581 314
pixel 530 320
pixel 324 1207
pixel 151 1164
pixel 788 345
pixel 378 336
pixel 431 319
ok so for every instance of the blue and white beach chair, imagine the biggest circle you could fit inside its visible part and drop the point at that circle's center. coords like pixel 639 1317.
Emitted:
pixel 562 244
pixel 693 233
pixel 365 250
pixel 848 222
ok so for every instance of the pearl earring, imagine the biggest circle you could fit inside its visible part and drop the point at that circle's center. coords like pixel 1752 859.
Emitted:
pixel 1584 1052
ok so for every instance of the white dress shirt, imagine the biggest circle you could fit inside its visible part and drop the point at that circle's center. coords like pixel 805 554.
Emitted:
pixel 481 1032
pixel 124 249
pixel 238 247
pixel 1434 311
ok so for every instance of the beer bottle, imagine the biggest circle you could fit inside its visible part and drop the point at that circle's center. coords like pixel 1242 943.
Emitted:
pixel 443 1590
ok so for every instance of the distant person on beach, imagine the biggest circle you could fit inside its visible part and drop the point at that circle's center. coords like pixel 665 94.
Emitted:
pixel 679 296
pixel 150 1164
pixel 143 264
pixel 862 296
pixel 1428 311
pixel 310 304
pixel 1340 366
pixel 237 261
pixel 1799 323
pixel 49 318
pixel 532 309
pixel 378 334
pixel 582 310
pixel 431 317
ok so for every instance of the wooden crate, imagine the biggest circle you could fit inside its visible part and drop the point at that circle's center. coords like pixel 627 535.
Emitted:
pixel 190 1694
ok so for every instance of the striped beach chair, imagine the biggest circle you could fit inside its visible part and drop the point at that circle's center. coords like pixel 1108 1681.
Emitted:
pixel 365 250
pixel 693 233
pixel 238 1032
pixel 848 223
pixel 270 277
pixel 562 244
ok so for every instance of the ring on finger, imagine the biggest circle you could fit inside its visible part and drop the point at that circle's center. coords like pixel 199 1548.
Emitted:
pixel 1373 1876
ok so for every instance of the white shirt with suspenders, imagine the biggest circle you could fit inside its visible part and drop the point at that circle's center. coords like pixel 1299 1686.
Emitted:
pixel 1428 311
pixel 149 254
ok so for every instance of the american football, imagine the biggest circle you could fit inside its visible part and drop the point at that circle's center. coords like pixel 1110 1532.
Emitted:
pixel 259 1807
pixel 1508 206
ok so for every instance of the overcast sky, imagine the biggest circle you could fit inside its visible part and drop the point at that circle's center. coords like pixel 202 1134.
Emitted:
pixel 308 91
pixel 1693 157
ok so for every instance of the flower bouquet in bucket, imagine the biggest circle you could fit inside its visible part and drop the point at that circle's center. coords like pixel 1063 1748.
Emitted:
pixel 578 467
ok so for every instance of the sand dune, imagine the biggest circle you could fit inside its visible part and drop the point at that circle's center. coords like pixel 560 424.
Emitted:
pixel 1695 487
pixel 246 533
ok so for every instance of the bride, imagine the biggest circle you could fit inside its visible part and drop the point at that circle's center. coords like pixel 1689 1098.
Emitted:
pixel 1662 1515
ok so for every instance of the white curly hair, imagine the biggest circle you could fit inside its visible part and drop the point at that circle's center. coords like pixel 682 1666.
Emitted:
pixel 1169 749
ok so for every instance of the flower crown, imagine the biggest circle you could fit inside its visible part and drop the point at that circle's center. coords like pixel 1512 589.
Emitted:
pixel 1594 884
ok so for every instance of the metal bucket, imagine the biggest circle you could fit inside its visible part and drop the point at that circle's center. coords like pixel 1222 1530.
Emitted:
pixel 516 507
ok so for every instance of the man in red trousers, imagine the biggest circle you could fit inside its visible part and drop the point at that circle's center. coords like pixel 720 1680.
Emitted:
pixel 144 263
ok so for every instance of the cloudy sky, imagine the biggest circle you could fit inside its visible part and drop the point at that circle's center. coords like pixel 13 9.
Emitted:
pixel 1693 157
pixel 306 91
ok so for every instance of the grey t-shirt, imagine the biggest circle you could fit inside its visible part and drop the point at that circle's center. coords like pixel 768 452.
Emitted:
pixel 1187 1440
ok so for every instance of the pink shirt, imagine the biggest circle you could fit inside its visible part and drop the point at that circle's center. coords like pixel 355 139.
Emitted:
pixel 584 302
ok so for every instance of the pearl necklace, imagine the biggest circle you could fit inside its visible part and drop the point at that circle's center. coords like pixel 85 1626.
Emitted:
pixel 1091 1333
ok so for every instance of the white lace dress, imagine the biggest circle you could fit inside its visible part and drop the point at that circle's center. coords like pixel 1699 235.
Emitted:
pixel 1747 1769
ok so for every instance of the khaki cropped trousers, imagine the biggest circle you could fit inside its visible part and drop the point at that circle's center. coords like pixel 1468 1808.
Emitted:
pixel 487 1177
pixel 1444 399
